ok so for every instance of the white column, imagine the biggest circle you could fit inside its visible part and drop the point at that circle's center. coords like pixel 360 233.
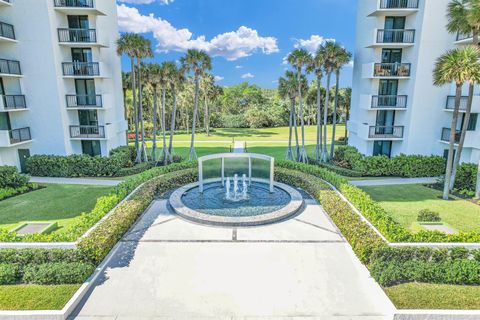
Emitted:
pixel 200 175
pixel 271 174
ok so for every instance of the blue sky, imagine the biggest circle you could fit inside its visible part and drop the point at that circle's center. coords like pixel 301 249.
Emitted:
pixel 248 39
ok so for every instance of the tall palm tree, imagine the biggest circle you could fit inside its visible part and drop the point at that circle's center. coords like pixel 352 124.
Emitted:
pixel 346 100
pixel 143 50
pixel 153 77
pixel 459 65
pixel 164 82
pixel 197 62
pixel 340 58
pixel 287 88
pixel 128 44
pixel 300 59
pixel 316 66
pixel 208 82
pixel 176 78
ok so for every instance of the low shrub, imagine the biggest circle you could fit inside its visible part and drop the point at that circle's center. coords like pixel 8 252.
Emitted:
pixel 10 178
pixel 337 169
pixel 346 156
pixel 426 215
pixel 9 274
pixel 138 168
pixel 466 179
pixel 57 273
pixel 39 256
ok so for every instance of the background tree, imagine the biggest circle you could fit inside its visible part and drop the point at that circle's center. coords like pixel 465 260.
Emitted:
pixel 208 82
pixel 176 79
pixel 154 77
pixel 316 66
pixel 287 88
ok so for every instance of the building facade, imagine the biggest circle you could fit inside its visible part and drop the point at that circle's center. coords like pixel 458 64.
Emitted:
pixel 395 106
pixel 60 79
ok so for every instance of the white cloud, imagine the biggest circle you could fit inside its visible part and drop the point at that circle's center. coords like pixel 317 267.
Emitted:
pixel 219 78
pixel 238 67
pixel 247 75
pixel 312 43
pixel 231 45
pixel 166 2
pixel 350 64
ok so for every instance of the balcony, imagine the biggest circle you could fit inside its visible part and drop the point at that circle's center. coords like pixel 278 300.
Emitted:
pixel 82 132
pixel 394 38
pixel 7 32
pixel 463 38
pixel 14 137
pixel 5 3
pixel 396 7
pixel 76 7
pixel 12 103
pixel 81 69
pixel 394 70
pixel 10 68
pixel 77 36
pixel 386 132
pixel 84 101
pixel 450 105
pixel 389 102
pixel 446 135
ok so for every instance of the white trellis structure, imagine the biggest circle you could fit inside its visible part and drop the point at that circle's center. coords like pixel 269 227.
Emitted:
pixel 223 156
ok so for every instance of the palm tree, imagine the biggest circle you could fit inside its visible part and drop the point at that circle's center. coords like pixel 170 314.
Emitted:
pixel 164 81
pixel 153 77
pixel 175 78
pixel 208 81
pixel 340 58
pixel 299 59
pixel 287 88
pixel 459 65
pixel 345 101
pixel 196 62
pixel 128 44
pixel 316 66
pixel 143 50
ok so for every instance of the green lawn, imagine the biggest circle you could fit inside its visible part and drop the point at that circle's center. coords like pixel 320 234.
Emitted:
pixel 55 203
pixel 434 296
pixel 404 202
pixel 35 297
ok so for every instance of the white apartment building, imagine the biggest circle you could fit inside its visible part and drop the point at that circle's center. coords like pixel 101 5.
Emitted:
pixel 60 79
pixel 395 106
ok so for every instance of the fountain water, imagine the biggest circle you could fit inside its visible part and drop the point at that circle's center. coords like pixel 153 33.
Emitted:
pixel 236 195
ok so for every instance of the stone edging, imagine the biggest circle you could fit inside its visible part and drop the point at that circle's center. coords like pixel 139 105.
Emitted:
pixel 437 315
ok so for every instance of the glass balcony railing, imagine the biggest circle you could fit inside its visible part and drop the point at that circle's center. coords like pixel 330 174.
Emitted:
pixel 77 35
pixel 451 103
pixel 395 36
pixel 13 102
pixel 386 132
pixel 74 3
pixel 389 101
pixel 395 69
pixel 7 31
pixel 84 101
pixel 10 67
pixel 81 68
pixel 446 135
pixel 20 135
pixel 87 132
pixel 398 4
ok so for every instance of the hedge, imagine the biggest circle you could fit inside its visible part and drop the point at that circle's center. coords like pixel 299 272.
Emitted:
pixel 13 183
pixel 409 166
pixel 57 273
pixel 102 207
pixel 466 179
pixel 378 216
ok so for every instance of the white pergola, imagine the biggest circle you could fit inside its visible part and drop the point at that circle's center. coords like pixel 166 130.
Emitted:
pixel 222 156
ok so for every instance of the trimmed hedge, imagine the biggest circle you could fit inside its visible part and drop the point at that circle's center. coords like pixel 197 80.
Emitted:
pixel 466 179
pixel 57 273
pixel 13 183
pixel 409 166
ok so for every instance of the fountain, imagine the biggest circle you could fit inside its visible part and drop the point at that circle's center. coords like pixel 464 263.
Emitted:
pixel 237 199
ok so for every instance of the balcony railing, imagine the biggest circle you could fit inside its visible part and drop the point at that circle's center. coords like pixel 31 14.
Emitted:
pixel 77 35
pixel 84 101
pixel 81 68
pixel 389 101
pixel 395 69
pixel 10 67
pixel 386 132
pixel 446 135
pixel 464 36
pixel 13 102
pixel 87 132
pixel 398 4
pixel 74 3
pixel 7 30
pixel 395 36
pixel 20 135
pixel 451 103
pixel 7 1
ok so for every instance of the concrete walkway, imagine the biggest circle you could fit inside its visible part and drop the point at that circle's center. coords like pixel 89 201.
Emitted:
pixel 168 268
pixel 84 181
pixel 393 181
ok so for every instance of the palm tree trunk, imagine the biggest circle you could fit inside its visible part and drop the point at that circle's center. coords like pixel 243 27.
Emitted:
pixel 135 109
pixel 451 148
pixel 140 115
pixel 193 154
pixel 347 117
pixel 172 125
pixel 303 154
pixel 335 107
pixel 205 116
pixel 325 116
pixel 297 144
pixel 318 147
pixel 165 155
pixel 289 155
pixel 466 120
pixel 154 133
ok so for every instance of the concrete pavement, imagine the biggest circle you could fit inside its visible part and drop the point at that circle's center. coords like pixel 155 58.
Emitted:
pixel 168 268
pixel 83 181
pixel 393 181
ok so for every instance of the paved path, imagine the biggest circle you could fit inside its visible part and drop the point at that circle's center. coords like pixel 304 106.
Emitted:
pixel 393 181
pixel 167 268
pixel 239 147
pixel 84 181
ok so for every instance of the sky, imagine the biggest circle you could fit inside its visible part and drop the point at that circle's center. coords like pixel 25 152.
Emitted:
pixel 247 39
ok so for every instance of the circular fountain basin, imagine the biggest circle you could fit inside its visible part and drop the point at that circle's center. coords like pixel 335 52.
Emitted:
pixel 259 208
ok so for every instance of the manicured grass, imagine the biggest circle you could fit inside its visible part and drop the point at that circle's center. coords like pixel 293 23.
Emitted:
pixel 55 203
pixel 434 296
pixel 404 202
pixel 34 297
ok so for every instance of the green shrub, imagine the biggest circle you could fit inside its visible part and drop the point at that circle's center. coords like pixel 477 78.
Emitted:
pixel 57 273
pixel 10 178
pixel 346 156
pixel 138 168
pixel 39 256
pixel 426 215
pixel 9 274
pixel 466 179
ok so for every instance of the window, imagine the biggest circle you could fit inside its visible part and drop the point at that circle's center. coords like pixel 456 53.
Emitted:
pixel 385 121
pixel 82 54
pixel 472 123
pixel 388 88
pixel 88 117
pixel 395 23
pixel 78 22
pixel 5 121
pixel 382 148
pixel 85 90
pixel 2 89
pixel 91 147
pixel 391 55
